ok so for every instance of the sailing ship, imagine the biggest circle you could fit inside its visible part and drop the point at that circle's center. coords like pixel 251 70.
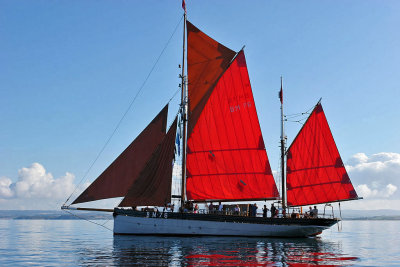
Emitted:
pixel 224 159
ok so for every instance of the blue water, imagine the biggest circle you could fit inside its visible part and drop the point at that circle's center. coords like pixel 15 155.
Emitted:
pixel 80 243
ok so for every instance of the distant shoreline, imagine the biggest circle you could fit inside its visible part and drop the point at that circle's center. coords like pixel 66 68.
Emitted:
pixel 374 218
pixel 52 215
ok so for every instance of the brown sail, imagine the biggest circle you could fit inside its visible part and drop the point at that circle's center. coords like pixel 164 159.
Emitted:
pixel 153 186
pixel 116 180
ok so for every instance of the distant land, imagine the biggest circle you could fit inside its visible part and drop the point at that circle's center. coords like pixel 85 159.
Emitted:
pixel 53 215
pixel 86 215
pixel 384 214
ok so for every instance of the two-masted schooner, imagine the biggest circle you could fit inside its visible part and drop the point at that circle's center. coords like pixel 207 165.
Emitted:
pixel 223 159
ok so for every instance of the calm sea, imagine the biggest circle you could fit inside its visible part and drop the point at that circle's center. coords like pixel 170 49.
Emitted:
pixel 80 243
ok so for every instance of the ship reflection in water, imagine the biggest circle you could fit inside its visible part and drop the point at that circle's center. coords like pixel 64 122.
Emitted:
pixel 224 251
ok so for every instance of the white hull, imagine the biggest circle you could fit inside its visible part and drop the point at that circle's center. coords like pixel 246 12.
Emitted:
pixel 159 226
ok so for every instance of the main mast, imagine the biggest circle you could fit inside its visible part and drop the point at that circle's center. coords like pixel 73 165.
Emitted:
pixel 183 115
pixel 282 151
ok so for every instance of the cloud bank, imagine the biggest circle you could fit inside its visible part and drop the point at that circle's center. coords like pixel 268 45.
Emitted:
pixel 35 189
pixel 376 178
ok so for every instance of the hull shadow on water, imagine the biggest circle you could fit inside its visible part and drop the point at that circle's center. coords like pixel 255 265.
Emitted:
pixel 227 251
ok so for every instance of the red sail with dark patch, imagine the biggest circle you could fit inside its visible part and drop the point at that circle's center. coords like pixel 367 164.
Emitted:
pixel 119 176
pixel 153 186
pixel 315 171
pixel 226 158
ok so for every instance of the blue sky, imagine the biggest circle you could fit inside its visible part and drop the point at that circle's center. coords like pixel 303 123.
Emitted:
pixel 69 69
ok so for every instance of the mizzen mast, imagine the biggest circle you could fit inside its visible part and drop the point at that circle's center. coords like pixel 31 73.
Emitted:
pixel 283 151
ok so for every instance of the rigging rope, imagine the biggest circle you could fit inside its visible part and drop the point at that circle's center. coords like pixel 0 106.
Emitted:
pixel 300 114
pixel 290 117
pixel 177 91
pixel 127 110
pixel 80 217
pixel 298 121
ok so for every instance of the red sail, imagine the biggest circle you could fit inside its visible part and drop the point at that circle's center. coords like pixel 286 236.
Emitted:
pixel 153 186
pixel 315 171
pixel 207 60
pixel 226 158
pixel 119 176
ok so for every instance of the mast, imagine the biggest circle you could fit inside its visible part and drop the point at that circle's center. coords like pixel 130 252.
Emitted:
pixel 282 151
pixel 183 114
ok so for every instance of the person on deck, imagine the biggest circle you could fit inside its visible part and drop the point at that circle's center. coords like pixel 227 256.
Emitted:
pixel 273 210
pixel 211 208
pixel 237 209
pixel 265 210
pixel 255 210
pixel 293 215
pixel 220 207
pixel 310 213
pixel 315 212
pixel 185 208
pixel 190 206
pixel 165 209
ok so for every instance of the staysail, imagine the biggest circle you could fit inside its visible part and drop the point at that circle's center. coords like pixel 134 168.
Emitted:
pixel 315 171
pixel 226 156
pixel 153 186
pixel 116 180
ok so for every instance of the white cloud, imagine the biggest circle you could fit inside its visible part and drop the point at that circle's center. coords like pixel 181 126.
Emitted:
pixel 357 158
pixel 390 189
pixel 376 178
pixel 367 192
pixel 35 189
pixel 5 190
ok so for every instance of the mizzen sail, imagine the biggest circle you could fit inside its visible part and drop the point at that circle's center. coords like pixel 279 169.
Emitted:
pixel 315 171
pixel 116 180
pixel 226 157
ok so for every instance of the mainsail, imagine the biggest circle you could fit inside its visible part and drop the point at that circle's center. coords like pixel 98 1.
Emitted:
pixel 226 156
pixel 315 171
pixel 153 186
pixel 116 180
